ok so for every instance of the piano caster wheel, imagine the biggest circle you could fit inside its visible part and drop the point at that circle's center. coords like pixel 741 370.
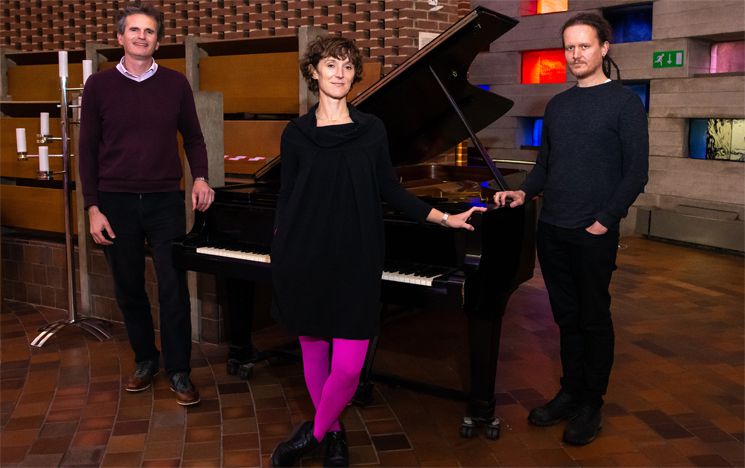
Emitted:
pixel 493 429
pixel 246 371
pixel 232 366
pixel 469 425
pixel 467 428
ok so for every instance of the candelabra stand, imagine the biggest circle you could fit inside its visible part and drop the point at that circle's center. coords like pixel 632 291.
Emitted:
pixel 94 326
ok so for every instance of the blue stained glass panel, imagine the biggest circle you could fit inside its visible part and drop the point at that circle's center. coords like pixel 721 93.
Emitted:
pixel 537 131
pixel 697 138
pixel 630 23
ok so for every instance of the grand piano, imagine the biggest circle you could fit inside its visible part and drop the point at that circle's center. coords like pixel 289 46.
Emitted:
pixel 428 106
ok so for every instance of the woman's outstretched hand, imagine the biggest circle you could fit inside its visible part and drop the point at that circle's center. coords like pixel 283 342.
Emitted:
pixel 460 220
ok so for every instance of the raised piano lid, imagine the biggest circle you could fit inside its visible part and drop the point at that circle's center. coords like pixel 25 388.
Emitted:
pixel 420 120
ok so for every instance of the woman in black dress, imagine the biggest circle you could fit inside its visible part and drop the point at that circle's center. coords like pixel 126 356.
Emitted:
pixel 328 248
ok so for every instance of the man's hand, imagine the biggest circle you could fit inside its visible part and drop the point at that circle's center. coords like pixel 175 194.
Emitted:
pixel 516 198
pixel 596 229
pixel 99 224
pixel 202 195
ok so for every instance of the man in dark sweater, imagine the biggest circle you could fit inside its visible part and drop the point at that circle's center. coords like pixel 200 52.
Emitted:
pixel 130 172
pixel 591 167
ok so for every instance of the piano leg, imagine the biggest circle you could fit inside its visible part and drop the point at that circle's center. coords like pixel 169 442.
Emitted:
pixel 363 394
pixel 483 338
pixel 239 304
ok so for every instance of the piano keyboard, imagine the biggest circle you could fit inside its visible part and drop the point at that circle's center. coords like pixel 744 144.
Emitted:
pixel 239 254
pixel 421 275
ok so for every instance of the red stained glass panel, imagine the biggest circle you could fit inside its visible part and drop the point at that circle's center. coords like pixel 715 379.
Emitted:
pixel 543 66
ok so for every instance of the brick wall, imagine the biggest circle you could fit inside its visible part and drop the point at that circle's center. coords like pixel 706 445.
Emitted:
pixel 386 30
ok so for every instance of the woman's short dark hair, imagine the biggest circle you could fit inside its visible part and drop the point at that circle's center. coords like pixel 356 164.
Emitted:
pixel 143 9
pixel 329 46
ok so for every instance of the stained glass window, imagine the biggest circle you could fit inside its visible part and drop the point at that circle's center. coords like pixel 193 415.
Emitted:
pixel 543 66
pixel 530 132
pixel 727 57
pixel 630 23
pixel 720 139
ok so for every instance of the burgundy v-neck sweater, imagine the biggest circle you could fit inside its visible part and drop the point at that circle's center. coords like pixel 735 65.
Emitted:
pixel 128 134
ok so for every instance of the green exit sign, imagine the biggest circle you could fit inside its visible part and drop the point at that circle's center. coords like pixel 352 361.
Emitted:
pixel 667 59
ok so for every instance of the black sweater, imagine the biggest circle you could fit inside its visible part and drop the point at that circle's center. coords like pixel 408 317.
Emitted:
pixel 593 159
pixel 329 243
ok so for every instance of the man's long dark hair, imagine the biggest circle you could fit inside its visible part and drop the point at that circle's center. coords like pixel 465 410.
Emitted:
pixel 604 32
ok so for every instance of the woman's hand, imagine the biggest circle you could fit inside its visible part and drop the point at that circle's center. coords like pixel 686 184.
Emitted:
pixel 460 220
pixel 515 198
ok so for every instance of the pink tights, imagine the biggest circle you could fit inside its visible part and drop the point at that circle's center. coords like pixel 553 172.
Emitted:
pixel 331 391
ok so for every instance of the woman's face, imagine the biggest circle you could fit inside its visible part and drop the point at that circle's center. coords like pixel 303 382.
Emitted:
pixel 335 77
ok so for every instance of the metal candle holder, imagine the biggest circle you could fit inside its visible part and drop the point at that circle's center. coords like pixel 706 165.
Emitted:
pixel 94 326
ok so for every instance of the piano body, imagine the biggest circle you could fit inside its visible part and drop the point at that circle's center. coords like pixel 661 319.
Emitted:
pixel 428 106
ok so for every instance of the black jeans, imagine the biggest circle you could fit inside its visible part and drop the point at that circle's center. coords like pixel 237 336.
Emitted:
pixel 157 218
pixel 577 268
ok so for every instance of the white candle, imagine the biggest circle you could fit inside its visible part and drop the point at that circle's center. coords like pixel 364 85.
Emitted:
pixel 43 159
pixel 87 69
pixel 21 140
pixel 44 123
pixel 62 63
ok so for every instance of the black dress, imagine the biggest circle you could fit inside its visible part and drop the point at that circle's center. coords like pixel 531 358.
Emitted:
pixel 329 243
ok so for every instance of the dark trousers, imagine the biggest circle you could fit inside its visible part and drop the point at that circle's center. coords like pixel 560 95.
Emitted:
pixel 577 268
pixel 157 218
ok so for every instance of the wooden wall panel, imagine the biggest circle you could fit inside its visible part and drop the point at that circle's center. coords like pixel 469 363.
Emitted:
pixel 251 138
pixel 40 209
pixel 40 82
pixel 253 83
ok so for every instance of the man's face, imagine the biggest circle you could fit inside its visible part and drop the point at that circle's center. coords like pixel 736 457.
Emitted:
pixel 583 51
pixel 140 37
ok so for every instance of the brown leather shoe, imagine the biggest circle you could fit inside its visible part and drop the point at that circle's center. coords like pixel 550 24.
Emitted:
pixel 142 377
pixel 186 393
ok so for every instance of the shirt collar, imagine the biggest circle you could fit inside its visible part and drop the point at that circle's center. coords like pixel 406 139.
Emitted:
pixel 147 74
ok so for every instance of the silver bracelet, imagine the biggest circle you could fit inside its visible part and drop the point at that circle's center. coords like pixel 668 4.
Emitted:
pixel 444 220
pixel 203 179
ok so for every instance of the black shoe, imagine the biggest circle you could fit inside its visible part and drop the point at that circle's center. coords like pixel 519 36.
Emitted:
pixel 563 406
pixel 337 449
pixel 186 393
pixel 585 426
pixel 142 377
pixel 290 451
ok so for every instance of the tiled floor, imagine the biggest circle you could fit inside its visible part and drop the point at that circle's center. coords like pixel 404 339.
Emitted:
pixel 676 395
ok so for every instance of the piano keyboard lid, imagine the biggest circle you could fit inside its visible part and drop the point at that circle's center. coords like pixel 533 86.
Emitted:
pixel 420 119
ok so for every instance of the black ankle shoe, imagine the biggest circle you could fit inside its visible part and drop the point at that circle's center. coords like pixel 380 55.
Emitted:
pixel 563 406
pixel 337 449
pixel 585 426
pixel 290 451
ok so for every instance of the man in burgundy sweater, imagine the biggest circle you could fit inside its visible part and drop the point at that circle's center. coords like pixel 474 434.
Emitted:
pixel 130 173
